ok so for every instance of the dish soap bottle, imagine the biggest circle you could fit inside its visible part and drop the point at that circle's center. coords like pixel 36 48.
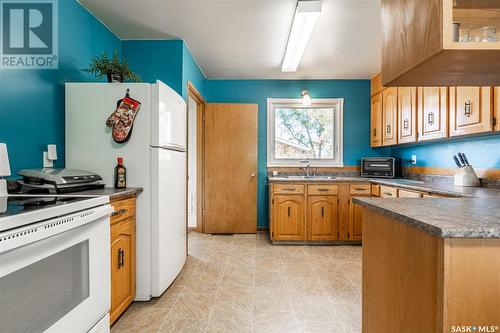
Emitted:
pixel 120 174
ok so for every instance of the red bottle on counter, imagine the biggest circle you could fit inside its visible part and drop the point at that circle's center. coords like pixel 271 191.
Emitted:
pixel 120 174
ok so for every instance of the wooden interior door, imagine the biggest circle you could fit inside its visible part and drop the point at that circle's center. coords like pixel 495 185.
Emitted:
pixel 471 110
pixel 432 113
pixel 407 114
pixel 288 217
pixel 322 222
pixel 389 116
pixel 230 168
pixel 376 120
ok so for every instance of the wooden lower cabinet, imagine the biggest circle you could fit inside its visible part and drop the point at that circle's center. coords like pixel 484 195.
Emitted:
pixel 322 219
pixel 288 217
pixel 122 257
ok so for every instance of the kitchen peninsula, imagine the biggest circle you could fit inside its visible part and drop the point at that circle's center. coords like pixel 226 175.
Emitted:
pixel 437 259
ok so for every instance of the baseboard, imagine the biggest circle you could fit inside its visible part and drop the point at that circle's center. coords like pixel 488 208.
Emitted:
pixel 192 229
pixel 262 229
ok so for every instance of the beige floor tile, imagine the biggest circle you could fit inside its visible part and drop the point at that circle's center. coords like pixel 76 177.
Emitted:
pixel 321 327
pixel 275 322
pixel 243 283
pixel 183 326
pixel 192 306
pixel 314 308
pixel 230 317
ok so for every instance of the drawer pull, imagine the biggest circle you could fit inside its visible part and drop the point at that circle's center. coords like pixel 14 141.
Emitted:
pixel 121 258
pixel 361 189
pixel 323 190
pixel 388 194
pixel 119 212
pixel 468 108
pixel 291 189
pixel 430 118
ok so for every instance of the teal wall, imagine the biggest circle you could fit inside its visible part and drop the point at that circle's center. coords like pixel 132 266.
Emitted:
pixel 32 101
pixel 482 152
pixel 356 94
pixel 156 60
pixel 169 61
pixel 191 72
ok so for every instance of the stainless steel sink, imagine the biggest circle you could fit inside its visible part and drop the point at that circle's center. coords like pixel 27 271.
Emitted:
pixel 306 177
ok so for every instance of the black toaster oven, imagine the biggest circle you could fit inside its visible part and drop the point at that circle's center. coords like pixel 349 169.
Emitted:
pixel 382 167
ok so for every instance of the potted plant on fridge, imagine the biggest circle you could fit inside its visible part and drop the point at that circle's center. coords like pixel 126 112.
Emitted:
pixel 114 69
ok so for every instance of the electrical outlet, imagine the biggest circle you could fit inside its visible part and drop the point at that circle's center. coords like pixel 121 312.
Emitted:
pixel 413 159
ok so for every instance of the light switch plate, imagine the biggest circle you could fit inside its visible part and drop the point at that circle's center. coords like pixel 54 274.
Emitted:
pixel 413 159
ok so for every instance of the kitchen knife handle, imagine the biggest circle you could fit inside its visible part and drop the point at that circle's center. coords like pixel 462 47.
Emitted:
pixel 457 161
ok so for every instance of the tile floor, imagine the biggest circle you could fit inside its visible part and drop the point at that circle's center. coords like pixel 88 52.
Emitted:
pixel 242 283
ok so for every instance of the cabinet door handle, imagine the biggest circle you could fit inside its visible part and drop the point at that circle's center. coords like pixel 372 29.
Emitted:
pixel 405 124
pixel 119 212
pixel 388 129
pixel 430 118
pixel 468 108
pixel 322 211
pixel 289 211
pixel 375 132
pixel 121 258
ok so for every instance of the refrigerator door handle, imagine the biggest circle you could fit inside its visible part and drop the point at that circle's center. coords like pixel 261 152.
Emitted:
pixel 171 147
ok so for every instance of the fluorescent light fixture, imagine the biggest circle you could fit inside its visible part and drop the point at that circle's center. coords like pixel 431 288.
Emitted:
pixel 304 21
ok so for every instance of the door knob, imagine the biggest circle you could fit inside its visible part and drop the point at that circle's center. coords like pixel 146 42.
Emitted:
pixel 252 175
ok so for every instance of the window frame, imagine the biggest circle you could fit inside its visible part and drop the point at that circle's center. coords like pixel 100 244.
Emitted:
pixel 337 104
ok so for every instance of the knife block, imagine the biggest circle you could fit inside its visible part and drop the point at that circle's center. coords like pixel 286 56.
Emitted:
pixel 466 176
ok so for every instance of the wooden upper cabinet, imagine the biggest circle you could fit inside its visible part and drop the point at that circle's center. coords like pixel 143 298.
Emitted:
pixel 389 116
pixel 418 46
pixel 432 113
pixel 376 121
pixel 322 222
pixel 471 110
pixel 288 217
pixel 407 114
pixel 376 84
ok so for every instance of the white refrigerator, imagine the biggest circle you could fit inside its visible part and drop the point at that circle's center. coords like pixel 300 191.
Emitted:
pixel 155 158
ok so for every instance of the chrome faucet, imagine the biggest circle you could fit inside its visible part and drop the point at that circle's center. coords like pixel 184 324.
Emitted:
pixel 306 168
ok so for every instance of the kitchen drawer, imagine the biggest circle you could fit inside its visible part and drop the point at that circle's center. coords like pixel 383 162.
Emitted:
pixel 322 190
pixel 122 209
pixel 288 188
pixel 375 190
pixel 408 194
pixel 363 189
pixel 388 192
pixel 430 195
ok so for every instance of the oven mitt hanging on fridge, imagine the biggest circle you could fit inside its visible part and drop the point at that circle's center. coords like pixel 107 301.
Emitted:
pixel 122 119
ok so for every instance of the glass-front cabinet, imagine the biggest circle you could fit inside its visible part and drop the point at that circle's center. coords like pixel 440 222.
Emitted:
pixel 471 24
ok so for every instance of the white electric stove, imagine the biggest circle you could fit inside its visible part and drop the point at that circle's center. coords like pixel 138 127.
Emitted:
pixel 55 259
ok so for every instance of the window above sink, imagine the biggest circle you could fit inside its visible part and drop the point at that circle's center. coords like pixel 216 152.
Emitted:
pixel 297 132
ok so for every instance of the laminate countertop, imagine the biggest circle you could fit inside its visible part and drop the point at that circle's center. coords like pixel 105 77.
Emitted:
pixel 442 217
pixel 467 212
pixel 113 193
pixel 429 187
